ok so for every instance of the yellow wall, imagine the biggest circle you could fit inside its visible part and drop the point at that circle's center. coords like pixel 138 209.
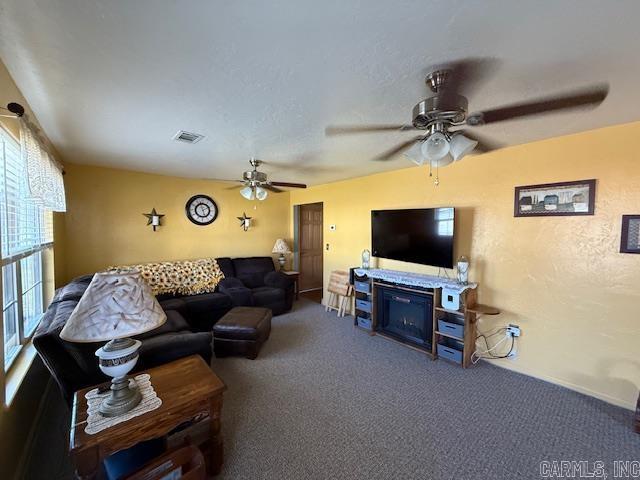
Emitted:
pixel 9 93
pixel 104 225
pixel 561 279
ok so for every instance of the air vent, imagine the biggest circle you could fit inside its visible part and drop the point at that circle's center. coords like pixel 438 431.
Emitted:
pixel 188 137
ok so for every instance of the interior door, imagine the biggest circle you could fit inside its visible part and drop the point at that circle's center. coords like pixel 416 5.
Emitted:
pixel 310 248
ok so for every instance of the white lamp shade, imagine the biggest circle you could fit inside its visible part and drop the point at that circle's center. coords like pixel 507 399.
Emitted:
pixel 415 153
pixel 261 193
pixel 435 147
pixel 461 146
pixel 116 304
pixel 281 247
pixel 248 193
pixel 442 162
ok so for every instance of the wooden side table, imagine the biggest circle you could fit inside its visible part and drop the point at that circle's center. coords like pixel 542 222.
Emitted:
pixel 187 387
pixel 295 276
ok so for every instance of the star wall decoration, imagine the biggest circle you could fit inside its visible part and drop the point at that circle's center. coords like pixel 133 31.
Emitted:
pixel 153 218
pixel 245 222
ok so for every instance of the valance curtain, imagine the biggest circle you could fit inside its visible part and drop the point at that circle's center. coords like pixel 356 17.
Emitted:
pixel 44 175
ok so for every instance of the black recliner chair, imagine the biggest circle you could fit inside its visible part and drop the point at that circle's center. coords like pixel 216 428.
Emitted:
pixel 254 281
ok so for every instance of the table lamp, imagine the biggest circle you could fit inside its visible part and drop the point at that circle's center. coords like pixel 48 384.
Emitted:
pixel 115 306
pixel 281 247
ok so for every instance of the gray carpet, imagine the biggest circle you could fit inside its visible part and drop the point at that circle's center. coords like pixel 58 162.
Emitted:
pixel 324 400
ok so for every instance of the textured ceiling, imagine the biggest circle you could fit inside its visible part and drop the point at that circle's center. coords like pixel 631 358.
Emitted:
pixel 112 81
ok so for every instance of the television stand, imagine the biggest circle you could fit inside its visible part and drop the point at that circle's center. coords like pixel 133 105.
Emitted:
pixel 407 308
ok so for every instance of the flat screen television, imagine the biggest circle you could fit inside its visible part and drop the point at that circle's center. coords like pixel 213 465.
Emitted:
pixel 423 235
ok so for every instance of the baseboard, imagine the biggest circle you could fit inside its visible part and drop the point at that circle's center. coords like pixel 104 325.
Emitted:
pixel 310 290
pixel 26 451
pixel 571 386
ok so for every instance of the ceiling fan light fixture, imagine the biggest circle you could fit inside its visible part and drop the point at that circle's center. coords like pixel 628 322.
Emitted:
pixel 443 161
pixel 261 193
pixel 248 193
pixel 415 153
pixel 461 146
pixel 435 147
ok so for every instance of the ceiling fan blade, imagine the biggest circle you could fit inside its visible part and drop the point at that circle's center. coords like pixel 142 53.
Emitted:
pixel 592 96
pixel 389 154
pixel 349 129
pixel 288 184
pixel 272 188
pixel 234 187
pixel 484 144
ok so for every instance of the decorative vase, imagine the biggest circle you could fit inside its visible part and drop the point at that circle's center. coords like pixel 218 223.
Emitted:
pixel 463 270
pixel 366 259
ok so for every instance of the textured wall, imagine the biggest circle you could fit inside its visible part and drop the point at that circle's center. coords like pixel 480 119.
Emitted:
pixel 104 225
pixel 562 279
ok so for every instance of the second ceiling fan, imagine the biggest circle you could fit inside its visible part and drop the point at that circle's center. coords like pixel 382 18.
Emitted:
pixel 441 116
pixel 255 183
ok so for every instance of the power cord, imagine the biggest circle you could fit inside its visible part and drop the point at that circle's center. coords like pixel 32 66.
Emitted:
pixel 508 354
pixel 446 274
pixel 478 354
pixel 488 353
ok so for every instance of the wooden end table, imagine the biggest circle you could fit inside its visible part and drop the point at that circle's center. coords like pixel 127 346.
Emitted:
pixel 295 276
pixel 187 388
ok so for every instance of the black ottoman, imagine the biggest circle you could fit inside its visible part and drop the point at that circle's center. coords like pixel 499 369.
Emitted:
pixel 242 331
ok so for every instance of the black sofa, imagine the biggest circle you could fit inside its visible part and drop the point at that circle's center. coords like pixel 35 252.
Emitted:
pixel 187 331
pixel 74 365
pixel 249 281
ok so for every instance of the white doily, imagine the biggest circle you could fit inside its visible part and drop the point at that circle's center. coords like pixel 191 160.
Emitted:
pixel 96 422
pixel 414 279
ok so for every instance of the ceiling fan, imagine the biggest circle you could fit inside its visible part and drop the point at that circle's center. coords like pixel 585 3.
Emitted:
pixel 440 116
pixel 255 183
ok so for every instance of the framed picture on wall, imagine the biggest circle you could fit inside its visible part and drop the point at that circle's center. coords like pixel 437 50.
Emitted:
pixel 555 199
pixel 630 242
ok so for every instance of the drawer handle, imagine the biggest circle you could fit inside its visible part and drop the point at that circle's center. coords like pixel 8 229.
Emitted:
pixel 450 327
pixel 400 299
pixel 448 350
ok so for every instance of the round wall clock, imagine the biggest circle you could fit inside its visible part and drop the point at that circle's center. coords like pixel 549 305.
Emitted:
pixel 201 209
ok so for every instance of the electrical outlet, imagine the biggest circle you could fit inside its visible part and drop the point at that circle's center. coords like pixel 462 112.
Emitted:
pixel 513 330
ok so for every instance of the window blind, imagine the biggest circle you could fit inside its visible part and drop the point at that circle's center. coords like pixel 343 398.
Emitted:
pixel 24 223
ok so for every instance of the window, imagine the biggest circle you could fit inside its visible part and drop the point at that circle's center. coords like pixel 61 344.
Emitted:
pixel 444 219
pixel 32 292
pixel 26 230
pixel 10 314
